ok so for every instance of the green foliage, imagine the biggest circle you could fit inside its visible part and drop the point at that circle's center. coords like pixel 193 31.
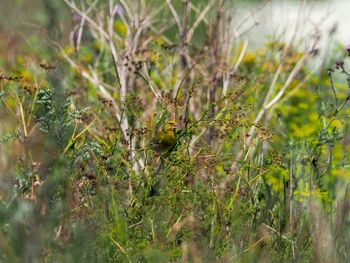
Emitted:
pixel 253 174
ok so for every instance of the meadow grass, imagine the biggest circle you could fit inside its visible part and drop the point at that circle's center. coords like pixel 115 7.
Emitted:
pixel 260 171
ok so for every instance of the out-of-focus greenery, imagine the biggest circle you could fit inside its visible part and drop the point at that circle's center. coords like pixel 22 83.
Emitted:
pixel 81 183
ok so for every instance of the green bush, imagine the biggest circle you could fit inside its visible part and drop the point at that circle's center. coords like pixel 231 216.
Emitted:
pixel 260 170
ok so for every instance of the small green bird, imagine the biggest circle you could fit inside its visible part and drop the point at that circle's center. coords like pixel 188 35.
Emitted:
pixel 166 138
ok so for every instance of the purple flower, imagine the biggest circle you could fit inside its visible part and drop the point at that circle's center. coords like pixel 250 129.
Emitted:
pixel 348 49
pixel 118 11
pixel 73 37
pixel 77 18
pixel 339 64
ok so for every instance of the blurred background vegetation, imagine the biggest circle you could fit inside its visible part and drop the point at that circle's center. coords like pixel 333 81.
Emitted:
pixel 261 168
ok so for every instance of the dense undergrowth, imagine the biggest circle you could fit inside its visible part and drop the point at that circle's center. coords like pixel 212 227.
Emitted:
pixel 260 172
